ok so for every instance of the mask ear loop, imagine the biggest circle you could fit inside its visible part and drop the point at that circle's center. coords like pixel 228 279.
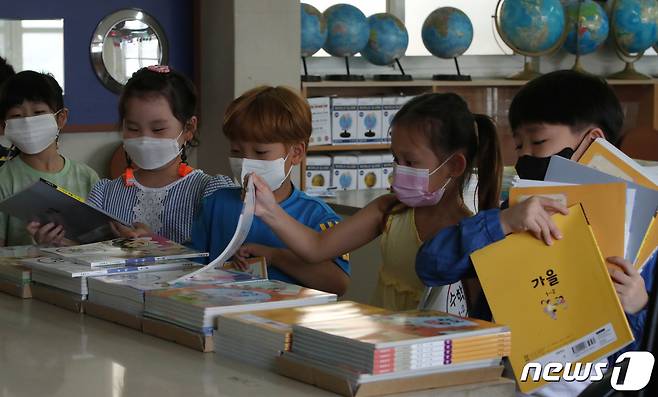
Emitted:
pixel 183 169
pixel 441 165
pixel 58 129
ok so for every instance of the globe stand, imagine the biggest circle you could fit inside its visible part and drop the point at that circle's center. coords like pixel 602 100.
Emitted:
pixel 629 73
pixel 394 77
pixel 307 77
pixel 453 77
pixel 529 71
pixel 345 77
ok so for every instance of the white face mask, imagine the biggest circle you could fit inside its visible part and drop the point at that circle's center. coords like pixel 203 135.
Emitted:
pixel 272 171
pixel 152 153
pixel 32 134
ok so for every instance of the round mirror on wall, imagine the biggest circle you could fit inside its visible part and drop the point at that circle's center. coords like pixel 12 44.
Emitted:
pixel 124 42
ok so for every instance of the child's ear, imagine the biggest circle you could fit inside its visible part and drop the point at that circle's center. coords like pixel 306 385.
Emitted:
pixel 61 118
pixel 457 165
pixel 590 136
pixel 297 153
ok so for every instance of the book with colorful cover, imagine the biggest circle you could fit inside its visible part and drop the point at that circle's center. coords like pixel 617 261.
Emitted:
pixel 605 157
pixel 256 266
pixel 604 204
pixel 558 301
pixel 46 202
pixel 196 306
pixel 66 268
pixel 125 251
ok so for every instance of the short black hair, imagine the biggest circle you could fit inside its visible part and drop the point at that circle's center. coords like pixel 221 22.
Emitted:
pixel 569 98
pixel 6 70
pixel 32 86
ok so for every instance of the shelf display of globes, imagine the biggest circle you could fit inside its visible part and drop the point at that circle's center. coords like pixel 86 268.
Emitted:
pixel 447 33
pixel 531 28
pixel 348 33
pixel 314 35
pixel 387 43
pixel 633 31
pixel 587 29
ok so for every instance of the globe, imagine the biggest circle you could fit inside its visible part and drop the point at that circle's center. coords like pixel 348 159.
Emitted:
pixel 531 27
pixel 348 30
pixel 633 29
pixel 314 30
pixel 634 25
pixel 447 32
pixel 388 39
pixel 587 27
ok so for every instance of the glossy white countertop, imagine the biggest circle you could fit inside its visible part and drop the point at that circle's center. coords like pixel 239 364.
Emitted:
pixel 48 351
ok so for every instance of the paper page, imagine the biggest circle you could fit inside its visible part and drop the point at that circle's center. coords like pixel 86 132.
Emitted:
pixel 239 237
pixel 533 183
pixel 630 201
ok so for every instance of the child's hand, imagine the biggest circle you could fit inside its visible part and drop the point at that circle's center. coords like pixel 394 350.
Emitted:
pixel 48 234
pixel 249 251
pixel 534 216
pixel 138 230
pixel 629 285
pixel 266 205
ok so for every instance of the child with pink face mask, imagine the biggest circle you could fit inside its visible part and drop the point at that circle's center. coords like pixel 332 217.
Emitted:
pixel 436 143
pixel 32 114
pixel 158 193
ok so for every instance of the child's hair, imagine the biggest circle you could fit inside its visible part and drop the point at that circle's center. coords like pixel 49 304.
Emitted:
pixel 178 90
pixel 450 127
pixel 30 86
pixel 269 115
pixel 569 98
pixel 6 70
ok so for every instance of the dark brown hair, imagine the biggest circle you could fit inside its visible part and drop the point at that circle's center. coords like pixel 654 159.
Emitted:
pixel 268 115
pixel 450 127
pixel 178 90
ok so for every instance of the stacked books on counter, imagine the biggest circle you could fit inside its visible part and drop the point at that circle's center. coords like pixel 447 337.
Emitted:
pixel 258 337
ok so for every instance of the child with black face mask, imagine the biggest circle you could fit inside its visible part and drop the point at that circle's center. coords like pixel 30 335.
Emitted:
pixel 560 113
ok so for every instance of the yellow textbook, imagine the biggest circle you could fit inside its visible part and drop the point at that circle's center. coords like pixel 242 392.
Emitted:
pixel 649 244
pixel 604 204
pixel 558 301
pixel 605 157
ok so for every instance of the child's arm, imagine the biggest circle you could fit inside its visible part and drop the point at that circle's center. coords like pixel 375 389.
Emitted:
pixel 636 319
pixel 445 258
pixel 324 276
pixel 312 246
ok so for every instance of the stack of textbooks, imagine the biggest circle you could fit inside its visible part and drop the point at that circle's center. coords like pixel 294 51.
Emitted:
pixel 125 292
pixel 259 337
pixel 398 345
pixel 15 278
pixel 67 269
pixel 196 307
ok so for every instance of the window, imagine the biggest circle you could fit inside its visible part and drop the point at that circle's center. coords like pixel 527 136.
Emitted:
pixel 34 45
pixel 368 7
pixel 485 38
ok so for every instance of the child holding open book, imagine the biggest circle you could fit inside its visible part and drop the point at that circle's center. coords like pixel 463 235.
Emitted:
pixel 268 129
pixel 436 143
pixel 158 193
pixel 32 114
pixel 560 113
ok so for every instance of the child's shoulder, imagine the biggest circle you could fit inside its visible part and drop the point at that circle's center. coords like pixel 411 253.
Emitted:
pixel 211 183
pixel 79 168
pixel 301 203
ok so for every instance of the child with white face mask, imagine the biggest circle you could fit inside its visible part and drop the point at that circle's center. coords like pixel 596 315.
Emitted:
pixel 436 143
pixel 158 193
pixel 268 129
pixel 32 114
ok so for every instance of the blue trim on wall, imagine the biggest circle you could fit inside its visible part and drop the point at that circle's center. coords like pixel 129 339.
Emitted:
pixel 88 100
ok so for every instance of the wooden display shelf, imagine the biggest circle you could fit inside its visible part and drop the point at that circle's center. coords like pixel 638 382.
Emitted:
pixel 639 100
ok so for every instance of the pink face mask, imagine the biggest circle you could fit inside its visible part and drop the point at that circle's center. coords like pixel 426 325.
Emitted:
pixel 411 186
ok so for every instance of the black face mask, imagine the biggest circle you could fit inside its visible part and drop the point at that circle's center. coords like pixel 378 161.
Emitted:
pixel 535 168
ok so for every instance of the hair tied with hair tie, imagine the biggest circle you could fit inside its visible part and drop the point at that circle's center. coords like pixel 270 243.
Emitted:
pixel 159 68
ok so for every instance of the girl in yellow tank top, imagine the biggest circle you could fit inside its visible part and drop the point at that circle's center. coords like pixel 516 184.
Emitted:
pixel 436 143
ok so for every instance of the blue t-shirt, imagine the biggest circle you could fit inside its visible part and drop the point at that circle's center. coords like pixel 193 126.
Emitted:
pixel 216 224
